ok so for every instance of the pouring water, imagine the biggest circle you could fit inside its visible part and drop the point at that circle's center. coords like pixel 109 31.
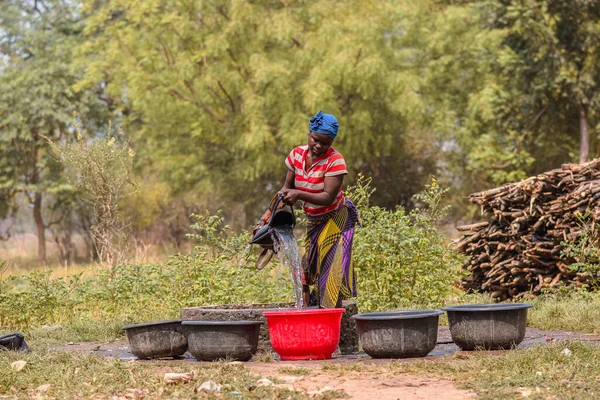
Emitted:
pixel 289 256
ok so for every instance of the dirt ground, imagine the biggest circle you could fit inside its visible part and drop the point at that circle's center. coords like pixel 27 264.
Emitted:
pixel 364 385
pixel 357 384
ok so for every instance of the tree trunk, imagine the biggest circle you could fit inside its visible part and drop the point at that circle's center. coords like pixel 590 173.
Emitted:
pixel 37 204
pixel 41 227
pixel 68 239
pixel 584 134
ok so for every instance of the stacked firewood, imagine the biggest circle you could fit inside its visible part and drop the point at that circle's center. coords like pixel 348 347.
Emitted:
pixel 519 250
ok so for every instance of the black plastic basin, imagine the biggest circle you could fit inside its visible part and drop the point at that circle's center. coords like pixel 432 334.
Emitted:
pixel 398 334
pixel 157 339
pixel 214 340
pixel 487 326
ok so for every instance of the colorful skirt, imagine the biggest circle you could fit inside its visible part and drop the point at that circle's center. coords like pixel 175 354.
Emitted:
pixel 327 263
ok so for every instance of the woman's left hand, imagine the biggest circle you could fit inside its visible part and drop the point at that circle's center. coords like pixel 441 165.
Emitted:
pixel 290 196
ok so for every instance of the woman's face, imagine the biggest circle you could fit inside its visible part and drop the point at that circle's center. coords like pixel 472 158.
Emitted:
pixel 318 143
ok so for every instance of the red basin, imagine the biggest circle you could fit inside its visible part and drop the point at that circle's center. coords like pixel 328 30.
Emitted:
pixel 305 335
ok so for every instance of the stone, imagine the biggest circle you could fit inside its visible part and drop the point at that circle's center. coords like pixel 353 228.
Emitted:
pixel 253 312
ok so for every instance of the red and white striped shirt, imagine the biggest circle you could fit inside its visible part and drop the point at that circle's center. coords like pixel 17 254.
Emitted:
pixel 313 181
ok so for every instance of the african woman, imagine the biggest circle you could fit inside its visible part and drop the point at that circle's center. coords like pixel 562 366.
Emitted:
pixel 315 175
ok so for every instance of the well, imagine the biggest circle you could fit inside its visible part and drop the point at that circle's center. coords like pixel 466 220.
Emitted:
pixel 253 312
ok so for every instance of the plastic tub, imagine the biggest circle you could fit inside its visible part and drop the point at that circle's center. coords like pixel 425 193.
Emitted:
pixel 156 339
pixel 398 334
pixel 487 326
pixel 305 335
pixel 215 340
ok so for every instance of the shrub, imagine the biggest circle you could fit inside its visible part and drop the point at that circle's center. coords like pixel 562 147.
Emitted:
pixel 401 259
pixel 583 252
pixel 101 170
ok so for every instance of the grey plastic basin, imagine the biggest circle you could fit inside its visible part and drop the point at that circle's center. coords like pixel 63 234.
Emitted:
pixel 156 339
pixel 398 334
pixel 214 340
pixel 488 326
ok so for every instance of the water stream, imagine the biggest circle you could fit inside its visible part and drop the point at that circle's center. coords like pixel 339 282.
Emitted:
pixel 245 255
pixel 289 256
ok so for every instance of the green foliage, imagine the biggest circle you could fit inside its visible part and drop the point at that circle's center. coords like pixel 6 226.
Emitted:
pixel 36 102
pixel 546 75
pixel 566 310
pixel 583 252
pixel 101 171
pixel 213 273
pixel 236 82
pixel 146 205
pixel 401 259
pixel 215 94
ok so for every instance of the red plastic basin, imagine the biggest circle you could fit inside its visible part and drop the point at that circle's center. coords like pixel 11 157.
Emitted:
pixel 305 335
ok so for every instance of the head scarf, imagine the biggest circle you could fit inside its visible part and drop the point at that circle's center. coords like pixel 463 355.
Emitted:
pixel 325 124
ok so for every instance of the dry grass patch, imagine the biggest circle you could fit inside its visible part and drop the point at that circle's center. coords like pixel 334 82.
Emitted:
pixel 74 376
pixel 567 370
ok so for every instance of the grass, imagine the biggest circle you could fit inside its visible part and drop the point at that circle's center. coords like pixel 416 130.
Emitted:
pixel 76 376
pixel 577 312
pixel 100 329
pixel 541 372
pixel 294 371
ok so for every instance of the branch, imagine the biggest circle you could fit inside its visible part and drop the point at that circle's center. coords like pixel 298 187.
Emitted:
pixel 296 42
pixel 236 64
pixel 188 84
pixel 58 221
pixel 536 117
pixel 28 196
pixel 358 57
pixel 204 108
pixel 228 96
pixel 221 11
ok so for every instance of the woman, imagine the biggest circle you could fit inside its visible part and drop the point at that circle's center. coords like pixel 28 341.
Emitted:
pixel 315 176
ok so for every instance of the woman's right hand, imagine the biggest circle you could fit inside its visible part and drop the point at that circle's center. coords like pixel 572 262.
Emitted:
pixel 262 222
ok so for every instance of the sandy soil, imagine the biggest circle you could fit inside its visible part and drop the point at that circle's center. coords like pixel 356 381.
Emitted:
pixel 363 385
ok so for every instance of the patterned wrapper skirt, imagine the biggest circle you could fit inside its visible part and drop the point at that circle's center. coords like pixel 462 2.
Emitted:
pixel 327 263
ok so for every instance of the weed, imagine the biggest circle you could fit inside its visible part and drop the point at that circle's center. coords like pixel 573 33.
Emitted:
pixel 264 356
pixel 401 259
pixel 540 372
pixel 294 371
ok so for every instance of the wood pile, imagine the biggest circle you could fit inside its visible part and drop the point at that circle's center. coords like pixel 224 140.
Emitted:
pixel 519 250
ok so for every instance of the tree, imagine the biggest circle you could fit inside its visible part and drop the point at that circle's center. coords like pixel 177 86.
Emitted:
pixel 513 85
pixel 550 75
pixel 218 92
pixel 36 101
pixel 101 171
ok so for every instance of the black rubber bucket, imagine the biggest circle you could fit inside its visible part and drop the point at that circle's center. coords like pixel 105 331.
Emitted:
pixel 398 334
pixel 488 326
pixel 215 340
pixel 157 339
pixel 281 217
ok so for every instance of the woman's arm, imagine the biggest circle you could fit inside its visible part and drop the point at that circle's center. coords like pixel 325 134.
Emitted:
pixel 289 181
pixel 325 198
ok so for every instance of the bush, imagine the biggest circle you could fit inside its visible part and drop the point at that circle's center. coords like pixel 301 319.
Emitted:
pixel 213 273
pixel 583 253
pixel 401 259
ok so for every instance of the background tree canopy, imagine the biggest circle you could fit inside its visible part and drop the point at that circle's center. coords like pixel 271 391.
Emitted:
pixel 214 94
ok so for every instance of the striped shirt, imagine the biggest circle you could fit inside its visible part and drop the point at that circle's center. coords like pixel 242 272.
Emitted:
pixel 313 181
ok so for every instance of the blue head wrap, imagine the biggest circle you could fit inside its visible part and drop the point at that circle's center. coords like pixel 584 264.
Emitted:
pixel 325 124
